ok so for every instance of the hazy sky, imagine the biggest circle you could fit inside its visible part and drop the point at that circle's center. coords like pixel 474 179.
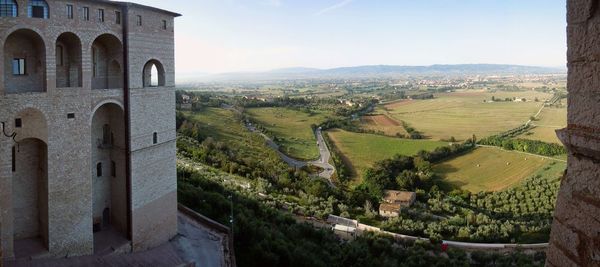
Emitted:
pixel 252 35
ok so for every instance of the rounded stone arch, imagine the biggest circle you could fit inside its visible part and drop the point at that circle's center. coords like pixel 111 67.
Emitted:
pixel 106 52
pixel 153 74
pixel 34 124
pixel 104 102
pixel 24 61
pixel 68 54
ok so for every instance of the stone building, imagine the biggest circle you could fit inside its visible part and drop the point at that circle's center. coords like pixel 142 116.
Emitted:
pixel 394 201
pixel 575 237
pixel 87 148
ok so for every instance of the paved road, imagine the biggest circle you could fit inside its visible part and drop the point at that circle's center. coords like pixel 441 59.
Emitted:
pixel 290 161
pixel 322 162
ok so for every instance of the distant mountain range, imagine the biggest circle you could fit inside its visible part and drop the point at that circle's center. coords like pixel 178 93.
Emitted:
pixel 384 71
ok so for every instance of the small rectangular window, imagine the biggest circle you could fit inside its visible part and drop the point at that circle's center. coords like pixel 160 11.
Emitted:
pixel 94 62
pixel 19 66
pixel 139 20
pixel 59 55
pixel 155 138
pixel 70 11
pixel 113 169
pixel 14 159
pixel 86 13
pixel 164 24
pixel 100 15
pixel 71 116
pixel 38 12
pixel 99 169
pixel 18 123
pixel 118 17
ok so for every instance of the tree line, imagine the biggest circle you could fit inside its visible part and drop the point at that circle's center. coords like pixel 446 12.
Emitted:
pixel 530 146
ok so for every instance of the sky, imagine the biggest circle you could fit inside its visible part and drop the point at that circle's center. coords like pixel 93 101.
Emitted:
pixel 217 36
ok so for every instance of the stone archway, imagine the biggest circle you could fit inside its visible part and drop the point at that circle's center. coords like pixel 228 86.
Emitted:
pixel 30 192
pixel 68 61
pixel 108 174
pixel 24 62
pixel 107 54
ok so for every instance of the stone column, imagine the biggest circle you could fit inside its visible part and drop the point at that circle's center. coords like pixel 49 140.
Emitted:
pixel 575 237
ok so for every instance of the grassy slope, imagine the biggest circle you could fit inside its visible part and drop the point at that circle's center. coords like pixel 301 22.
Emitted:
pixel 221 125
pixel 550 120
pixel 362 150
pixel 463 114
pixel 292 128
pixel 493 174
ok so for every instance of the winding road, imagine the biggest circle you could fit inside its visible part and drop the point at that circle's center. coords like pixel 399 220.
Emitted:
pixel 322 162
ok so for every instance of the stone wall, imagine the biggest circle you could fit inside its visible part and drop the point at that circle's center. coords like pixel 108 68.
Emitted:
pixel 154 185
pixel 69 140
pixel 575 237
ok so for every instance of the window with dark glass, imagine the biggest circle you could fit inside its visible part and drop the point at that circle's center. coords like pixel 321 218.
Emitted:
pixel 99 169
pixel 118 17
pixel 155 138
pixel 18 66
pixel 8 8
pixel 113 169
pixel 70 11
pixel 164 24
pixel 86 13
pixel 100 15
pixel 18 123
pixel 139 20
pixel 37 9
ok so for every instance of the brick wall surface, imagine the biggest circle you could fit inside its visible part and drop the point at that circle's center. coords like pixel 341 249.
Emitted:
pixel 69 141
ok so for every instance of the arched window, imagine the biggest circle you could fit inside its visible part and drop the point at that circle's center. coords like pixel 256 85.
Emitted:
pixel 37 9
pixel 154 74
pixel 99 169
pixel 8 8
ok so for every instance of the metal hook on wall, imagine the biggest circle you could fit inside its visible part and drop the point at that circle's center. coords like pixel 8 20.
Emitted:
pixel 13 135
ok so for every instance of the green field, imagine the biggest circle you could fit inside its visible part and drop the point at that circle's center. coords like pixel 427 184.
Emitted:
pixel 492 169
pixel 549 120
pixel 465 113
pixel 291 128
pixel 362 150
pixel 218 123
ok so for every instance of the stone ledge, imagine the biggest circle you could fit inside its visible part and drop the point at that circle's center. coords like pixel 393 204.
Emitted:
pixel 581 141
